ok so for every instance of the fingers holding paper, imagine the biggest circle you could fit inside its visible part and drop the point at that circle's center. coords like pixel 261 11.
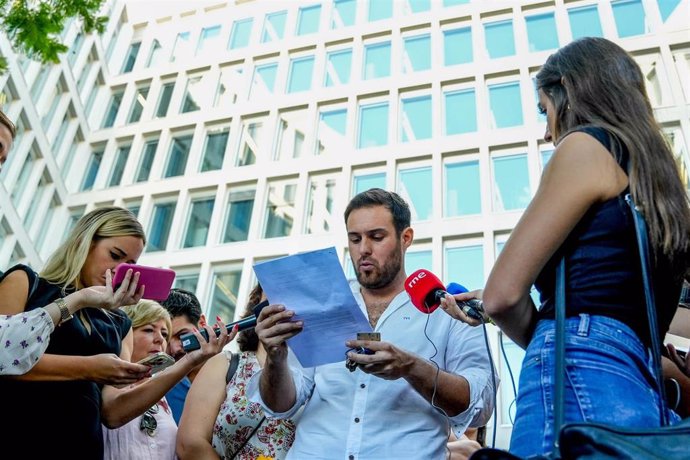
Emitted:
pixel 274 326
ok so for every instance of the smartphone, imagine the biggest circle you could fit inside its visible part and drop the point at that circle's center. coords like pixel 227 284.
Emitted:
pixel 158 362
pixel 157 281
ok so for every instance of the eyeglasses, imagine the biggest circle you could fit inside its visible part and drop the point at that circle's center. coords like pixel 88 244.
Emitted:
pixel 148 422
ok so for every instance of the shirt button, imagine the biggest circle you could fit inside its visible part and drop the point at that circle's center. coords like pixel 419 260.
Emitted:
pixel 361 385
pixel 356 419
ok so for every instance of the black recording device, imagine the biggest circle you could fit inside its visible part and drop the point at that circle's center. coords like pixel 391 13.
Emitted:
pixel 190 342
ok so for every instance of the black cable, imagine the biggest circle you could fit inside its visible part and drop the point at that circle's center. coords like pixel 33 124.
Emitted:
pixel 493 380
pixel 512 379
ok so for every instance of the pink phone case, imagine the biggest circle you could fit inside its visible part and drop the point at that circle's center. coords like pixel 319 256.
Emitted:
pixel 157 281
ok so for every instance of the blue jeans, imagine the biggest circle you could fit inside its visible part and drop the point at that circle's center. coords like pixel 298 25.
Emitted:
pixel 609 379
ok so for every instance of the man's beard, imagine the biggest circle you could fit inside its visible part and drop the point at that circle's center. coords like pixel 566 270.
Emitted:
pixel 383 276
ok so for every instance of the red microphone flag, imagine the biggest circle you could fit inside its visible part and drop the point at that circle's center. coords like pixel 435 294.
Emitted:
pixel 424 289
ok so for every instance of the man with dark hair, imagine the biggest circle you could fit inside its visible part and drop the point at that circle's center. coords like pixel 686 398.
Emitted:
pixel 427 373
pixel 185 312
pixel 7 134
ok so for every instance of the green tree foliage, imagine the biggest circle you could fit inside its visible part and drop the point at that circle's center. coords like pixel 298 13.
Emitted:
pixel 34 26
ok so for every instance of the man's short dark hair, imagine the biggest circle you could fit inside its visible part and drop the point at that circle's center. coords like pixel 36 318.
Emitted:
pixel 182 302
pixel 389 200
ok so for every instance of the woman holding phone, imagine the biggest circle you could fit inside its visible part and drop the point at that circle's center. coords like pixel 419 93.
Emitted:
pixel 77 385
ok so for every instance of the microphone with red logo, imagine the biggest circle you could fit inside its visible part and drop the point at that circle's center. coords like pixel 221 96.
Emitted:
pixel 426 291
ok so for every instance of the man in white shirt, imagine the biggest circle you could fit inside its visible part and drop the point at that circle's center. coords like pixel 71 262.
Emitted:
pixel 384 408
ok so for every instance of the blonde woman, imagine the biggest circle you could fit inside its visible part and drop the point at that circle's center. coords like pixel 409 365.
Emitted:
pixel 72 387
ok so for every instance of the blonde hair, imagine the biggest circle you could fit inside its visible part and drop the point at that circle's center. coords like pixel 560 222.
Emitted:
pixel 147 312
pixel 64 265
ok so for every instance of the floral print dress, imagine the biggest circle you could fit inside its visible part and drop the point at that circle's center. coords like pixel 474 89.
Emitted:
pixel 238 417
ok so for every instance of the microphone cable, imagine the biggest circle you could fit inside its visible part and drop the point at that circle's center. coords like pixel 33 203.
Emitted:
pixel 493 380
pixel 512 379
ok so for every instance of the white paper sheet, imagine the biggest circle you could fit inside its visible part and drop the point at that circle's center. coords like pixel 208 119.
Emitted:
pixel 313 285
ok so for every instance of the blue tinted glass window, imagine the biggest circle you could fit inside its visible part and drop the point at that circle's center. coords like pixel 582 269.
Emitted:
pixel 417 54
pixel 157 236
pixel 366 181
pixel 91 170
pixel 545 157
pixel 465 266
pixel 666 7
pixel 377 61
pixel 300 74
pixel 265 77
pixel 308 20
pixel 540 116
pixel 541 32
pixel 463 195
pixel 119 169
pixel 113 108
pixel 415 185
pixel 584 22
pixel 239 215
pixel 179 152
pixel 208 35
pixel 460 112
pixel 335 119
pixel 511 182
pixel 199 223
pixel 506 105
pixel 214 151
pixel 414 260
pixel 454 2
pixel 629 16
pixel 415 120
pixel 131 58
pixel 380 9
pixel 457 46
pixel 147 157
pixel 373 125
pixel 417 6
pixel 241 30
pixel 499 39
pixel 274 27
pixel 338 66
pixel 343 13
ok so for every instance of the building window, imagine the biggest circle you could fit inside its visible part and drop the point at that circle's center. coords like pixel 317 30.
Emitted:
pixel 179 151
pixel 208 38
pixel 331 131
pixel 238 215
pixel 241 31
pixel 280 210
pixel 630 18
pixel 131 58
pixel 417 53
pixel 363 182
pixel 194 95
pixel 418 6
pixel 113 108
pixel 338 67
pixel 199 222
pixel 457 46
pixel 252 131
pixel 447 3
pixel 264 79
pixel 119 168
pixel 160 226
pixel 229 86
pixel 320 205
pixel 415 186
pixel 462 195
pixel 155 55
pixel 666 8
pixel 300 76
pixel 226 287
pixel 274 27
pixel 415 260
pixel 138 104
pixel 499 39
pixel 187 282
pixel 377 60
pixel 373 125
pixel 292 125
pixel 546 155
pixel 584 22
pixel 164 99
pixel 214 150
pixel 541 32
pixel 308 19
pixel 182 47
pixel 415 118
pixel 465 265
pixel 147 156
pixel 506 105
pixel 344 13
pixel 460 111
pixel 91 170
pixel 511 182
pixel 380 9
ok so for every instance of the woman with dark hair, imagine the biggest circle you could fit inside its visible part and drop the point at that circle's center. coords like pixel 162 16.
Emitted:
pixel 218 420
pixel 607 145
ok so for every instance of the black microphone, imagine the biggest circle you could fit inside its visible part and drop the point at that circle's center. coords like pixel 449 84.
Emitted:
pixel 190 342
pixel 473 307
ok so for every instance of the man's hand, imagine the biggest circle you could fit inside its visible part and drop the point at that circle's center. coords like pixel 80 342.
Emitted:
pixel 273 327
pixel 387 362
pixel 109 369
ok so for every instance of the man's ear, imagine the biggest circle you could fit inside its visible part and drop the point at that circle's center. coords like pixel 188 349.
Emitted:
pixel 406 237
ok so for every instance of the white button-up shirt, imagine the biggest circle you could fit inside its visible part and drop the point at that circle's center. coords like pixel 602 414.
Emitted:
pixel 354 415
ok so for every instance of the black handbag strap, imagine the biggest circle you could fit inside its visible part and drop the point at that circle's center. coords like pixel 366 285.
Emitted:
pixel 559 384
pixel 251 435
pixel 232 367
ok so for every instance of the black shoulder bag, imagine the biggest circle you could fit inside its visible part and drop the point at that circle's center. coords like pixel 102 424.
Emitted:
pixel 594 441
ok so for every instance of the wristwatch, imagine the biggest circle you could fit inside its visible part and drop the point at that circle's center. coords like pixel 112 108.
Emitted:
pixel 65 315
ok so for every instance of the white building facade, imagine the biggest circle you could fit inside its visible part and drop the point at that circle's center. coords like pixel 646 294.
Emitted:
pixel 238 131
